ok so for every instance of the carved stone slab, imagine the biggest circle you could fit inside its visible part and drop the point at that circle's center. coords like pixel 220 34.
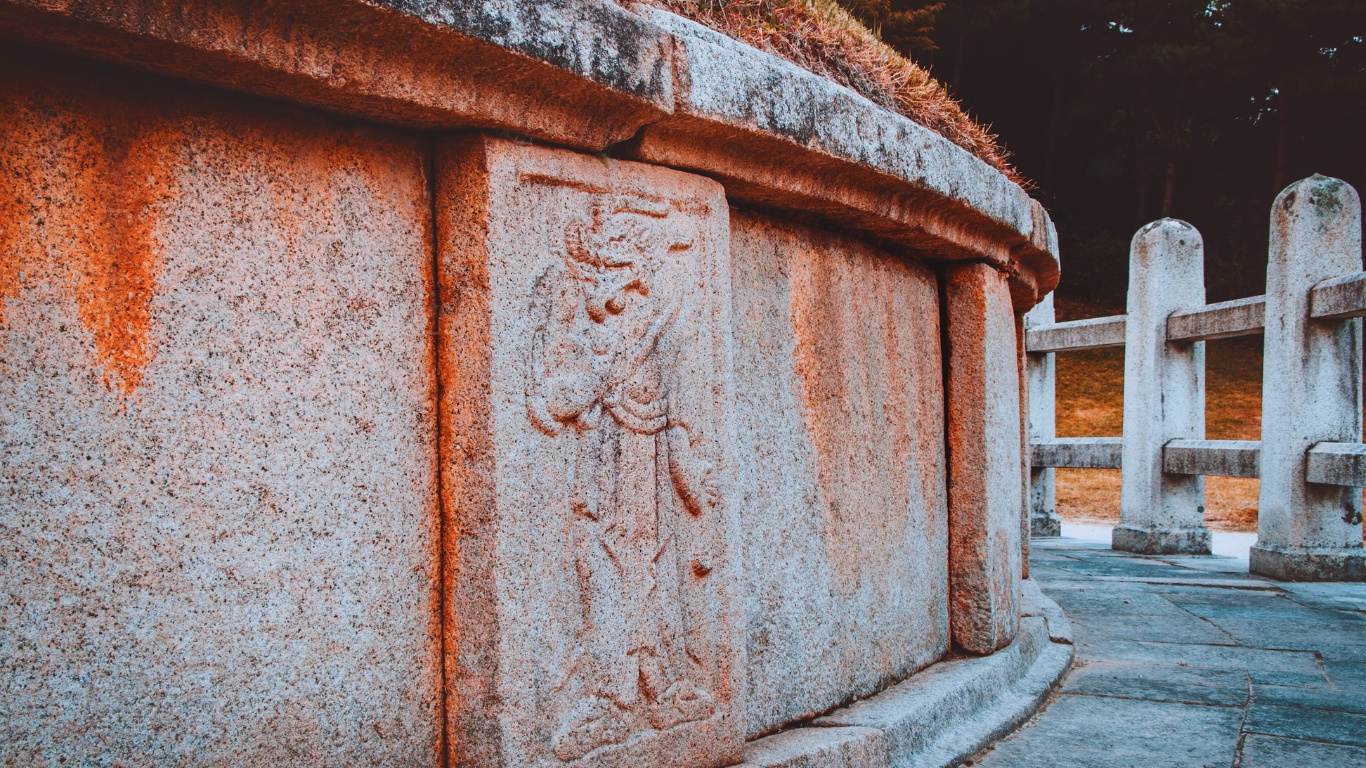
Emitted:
pixel 841 427
pixel 584 359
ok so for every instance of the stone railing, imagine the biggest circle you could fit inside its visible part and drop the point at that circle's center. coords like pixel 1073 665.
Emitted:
pixel 1310 460
pixel 499 384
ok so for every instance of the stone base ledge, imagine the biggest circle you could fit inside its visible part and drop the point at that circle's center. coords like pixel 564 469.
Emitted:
pixel 1033 602
pixel 940 716
pixel 1045 526
pixel 1308 564
pixel 1146 541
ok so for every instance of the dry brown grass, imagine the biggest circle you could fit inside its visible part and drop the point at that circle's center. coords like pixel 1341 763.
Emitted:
pixel 1090 389
pixel 822 37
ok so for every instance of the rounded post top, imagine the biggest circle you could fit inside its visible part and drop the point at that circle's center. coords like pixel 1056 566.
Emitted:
pixel 1166 228
pixel 1171 245
pixel 1167 255
pixel 1317 195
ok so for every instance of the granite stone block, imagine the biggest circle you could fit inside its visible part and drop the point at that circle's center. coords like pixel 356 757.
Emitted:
pixel 218 526
pixel 587 456
pixel 840 426
pixel 985 468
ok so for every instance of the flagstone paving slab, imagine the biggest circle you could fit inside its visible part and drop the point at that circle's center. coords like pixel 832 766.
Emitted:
pixel 1275 752
pixel 1179 685
pixel 1189 661
pixel 1096 732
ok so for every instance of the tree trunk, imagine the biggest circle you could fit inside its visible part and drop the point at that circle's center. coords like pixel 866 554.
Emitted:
pixel 1054 126
pixel 1141 179
pixel 958 64
pixel 1170 191
pixel 1283 117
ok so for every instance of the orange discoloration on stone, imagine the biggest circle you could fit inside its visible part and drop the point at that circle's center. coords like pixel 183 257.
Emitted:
pixel 1022 363
pixel 590 610
pixel 464 375
pixel 80 195
pixel 119 259
pixel 859 358
pixel 246 546
pixel 840 409
pixel 13 212
pixel 985 467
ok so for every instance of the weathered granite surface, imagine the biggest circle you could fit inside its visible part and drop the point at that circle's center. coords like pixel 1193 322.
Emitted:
pixel 589 465
pixel 955 708
pixel 588 74
pixel 331 443
pixel 218 523
pixel 1041 372
pixel 840 421
pixel 744 116
pixel 986 472
pixel 1309 531
pixel 1164 393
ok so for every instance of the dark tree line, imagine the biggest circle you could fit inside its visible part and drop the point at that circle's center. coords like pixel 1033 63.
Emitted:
pixel 1122 111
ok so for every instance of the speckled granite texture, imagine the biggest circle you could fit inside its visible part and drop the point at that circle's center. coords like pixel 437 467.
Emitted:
pixel 615 395
pixel 219 520
pixel 841 424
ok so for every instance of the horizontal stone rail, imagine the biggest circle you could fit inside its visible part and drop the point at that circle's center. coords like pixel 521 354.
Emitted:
pixel 1075 335
pixel 1309 460
pixel 1225 320
pixel 1225 458
pixel 1076 452
pixel 1339 299
pixel 1337 464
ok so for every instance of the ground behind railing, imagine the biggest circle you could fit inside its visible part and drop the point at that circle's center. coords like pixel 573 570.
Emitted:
pixel 1091 404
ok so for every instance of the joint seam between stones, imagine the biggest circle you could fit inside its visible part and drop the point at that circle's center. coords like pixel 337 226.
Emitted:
pixel 443 756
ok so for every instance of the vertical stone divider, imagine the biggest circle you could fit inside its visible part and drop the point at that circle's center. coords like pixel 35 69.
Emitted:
pixel 1041 370
pixel 470 620
pixel 1021 369
pixel 1164 394
pixel 1311 389
pixel 984 463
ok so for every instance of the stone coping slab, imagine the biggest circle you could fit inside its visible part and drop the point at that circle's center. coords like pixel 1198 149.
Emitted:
pixel 940 716
pixel 589 74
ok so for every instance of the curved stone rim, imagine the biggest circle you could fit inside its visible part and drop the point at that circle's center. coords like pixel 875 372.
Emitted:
pixel 590 75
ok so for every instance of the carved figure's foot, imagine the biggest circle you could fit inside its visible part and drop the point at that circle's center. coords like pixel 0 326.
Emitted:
pixel 593 723
pixel 682 703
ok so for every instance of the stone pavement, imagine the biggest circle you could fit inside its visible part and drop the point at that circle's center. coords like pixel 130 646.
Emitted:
pixel 1189 661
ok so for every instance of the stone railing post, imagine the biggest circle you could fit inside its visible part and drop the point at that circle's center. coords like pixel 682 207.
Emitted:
pixel 1164 394
pixel 1311 389
pixel 1042 403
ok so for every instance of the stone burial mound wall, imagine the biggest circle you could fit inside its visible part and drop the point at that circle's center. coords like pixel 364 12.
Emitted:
pixel 498 384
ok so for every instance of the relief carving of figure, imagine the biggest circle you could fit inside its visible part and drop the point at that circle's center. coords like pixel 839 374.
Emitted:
pixel 602 371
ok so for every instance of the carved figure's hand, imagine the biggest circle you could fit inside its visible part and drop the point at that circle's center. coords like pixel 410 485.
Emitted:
pixel 704 486
pixel 569 395
pixel 694 478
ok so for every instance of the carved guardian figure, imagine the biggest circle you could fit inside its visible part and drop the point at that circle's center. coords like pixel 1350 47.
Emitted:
pixel 601 372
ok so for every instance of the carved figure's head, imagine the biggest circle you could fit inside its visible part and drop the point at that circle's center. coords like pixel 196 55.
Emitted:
pixel 620 250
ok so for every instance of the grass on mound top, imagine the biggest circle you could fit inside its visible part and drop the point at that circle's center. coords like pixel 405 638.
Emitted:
pixel 822 37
